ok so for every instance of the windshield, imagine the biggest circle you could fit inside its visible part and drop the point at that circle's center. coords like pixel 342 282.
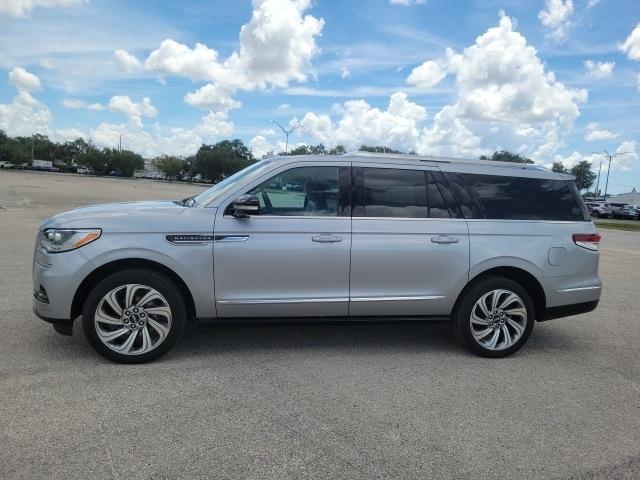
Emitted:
pixel 223 186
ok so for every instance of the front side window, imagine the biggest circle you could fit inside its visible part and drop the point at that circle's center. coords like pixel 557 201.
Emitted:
pixel 312 191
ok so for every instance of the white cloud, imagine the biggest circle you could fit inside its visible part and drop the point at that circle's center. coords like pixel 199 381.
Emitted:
pixel 212 97
pixel 397 126
pixel 259 146
pixel 276 48
pixel 599 69
pixel 173 58
pixel 557 18
pixel 215 125
pixel 68 134
pixel 285 107
pixel 344 72
pixel 95 107
pixel 76 104
pixel 406 3
pixel 23 80
pixel 595 133
pixel 631 46
pixel 592 3
pixel 24 115
pixel 127 62
pixel 134 110
pixel 627 161
pixel 427 75
pixel 73 103
pixel 19 8
pixel 503 95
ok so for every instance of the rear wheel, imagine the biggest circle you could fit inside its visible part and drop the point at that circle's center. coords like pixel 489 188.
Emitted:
pixel 134 316
pixel 494 318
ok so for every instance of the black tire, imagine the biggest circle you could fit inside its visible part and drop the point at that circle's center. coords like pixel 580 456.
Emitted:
pixel 143 276
pixel 460 321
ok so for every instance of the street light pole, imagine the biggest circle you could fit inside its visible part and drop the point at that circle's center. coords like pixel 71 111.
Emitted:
pixel 286 134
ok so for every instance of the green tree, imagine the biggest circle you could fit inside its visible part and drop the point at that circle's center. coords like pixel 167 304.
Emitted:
pixel 337 150
pixel 215 162
pixel 378 149
pixel 559 167
pixel 506 156
pixel 125 162
pixel 584 175
pixel 170 165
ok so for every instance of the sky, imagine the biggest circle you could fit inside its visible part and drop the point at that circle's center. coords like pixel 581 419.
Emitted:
pixel 554 80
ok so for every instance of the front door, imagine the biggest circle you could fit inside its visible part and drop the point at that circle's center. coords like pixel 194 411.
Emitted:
pixel 292 258
pixel 410 251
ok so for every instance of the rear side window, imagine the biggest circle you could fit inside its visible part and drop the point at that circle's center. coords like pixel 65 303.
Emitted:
pixel 519 198
pixel 395 193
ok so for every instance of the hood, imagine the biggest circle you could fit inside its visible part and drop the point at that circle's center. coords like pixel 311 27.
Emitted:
pixel 122 216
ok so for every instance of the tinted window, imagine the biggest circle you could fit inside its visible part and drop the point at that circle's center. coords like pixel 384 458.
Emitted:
pixel 518 198
pixel 390 192
pixel 300 191
pixel 467 203
pixel 395 193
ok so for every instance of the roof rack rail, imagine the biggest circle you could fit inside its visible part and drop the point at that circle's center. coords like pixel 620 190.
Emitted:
pixel 428 158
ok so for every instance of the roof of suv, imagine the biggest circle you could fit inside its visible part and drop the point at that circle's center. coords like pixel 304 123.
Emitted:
pixel 405 159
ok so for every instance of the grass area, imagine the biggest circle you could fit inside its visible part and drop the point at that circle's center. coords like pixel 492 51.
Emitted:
pixel 628 225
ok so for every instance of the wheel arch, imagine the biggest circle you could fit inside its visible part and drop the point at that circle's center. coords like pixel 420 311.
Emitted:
pixel 519 275
pixel 101 272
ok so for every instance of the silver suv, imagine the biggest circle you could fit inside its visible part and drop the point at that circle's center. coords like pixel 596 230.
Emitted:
pixel 490 247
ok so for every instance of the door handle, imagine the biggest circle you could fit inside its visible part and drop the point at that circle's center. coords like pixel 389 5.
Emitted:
pixel 445 239
pixel 326 238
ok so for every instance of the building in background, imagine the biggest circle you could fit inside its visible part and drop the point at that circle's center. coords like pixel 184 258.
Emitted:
pixel 632 198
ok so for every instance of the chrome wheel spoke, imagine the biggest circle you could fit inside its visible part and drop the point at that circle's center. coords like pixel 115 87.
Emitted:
pixel 161 329
pixel 516 326
pixel 128 343
pixel 476 319
pixel 146 340
pixel 508 301
pixel 164 311
pixel 494 339
pixel 104 317
pixel 148 297
pixel 109 336
pixel 111 299
pixel 520 312
pixel 482 303
pixel 506 337
pixel 482 333
pixel 131 292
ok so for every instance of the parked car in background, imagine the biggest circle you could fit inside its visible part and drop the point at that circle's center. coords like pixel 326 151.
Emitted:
pixel 4 164
pixel 45 165
pixel 490 247
pixel 600 209
pixel 84 170
pixel 623 211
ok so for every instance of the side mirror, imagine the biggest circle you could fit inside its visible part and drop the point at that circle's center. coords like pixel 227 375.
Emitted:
pixel 245 206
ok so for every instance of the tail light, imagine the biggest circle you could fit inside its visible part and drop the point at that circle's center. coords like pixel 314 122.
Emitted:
pixel 590 241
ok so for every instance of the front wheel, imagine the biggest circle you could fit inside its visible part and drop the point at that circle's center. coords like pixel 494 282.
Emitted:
pixel 494 318
pixel 134 316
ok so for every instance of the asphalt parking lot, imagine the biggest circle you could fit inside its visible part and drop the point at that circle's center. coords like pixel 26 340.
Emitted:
pixel 348 401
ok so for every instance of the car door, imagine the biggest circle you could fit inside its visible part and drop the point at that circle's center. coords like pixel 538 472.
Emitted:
pixel 292 258
pixel 410 248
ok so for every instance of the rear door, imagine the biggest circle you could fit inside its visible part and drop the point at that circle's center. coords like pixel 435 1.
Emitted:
pixel 410 246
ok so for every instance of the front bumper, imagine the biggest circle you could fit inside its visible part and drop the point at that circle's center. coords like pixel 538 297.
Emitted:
pixel 63 326
pixel 56 278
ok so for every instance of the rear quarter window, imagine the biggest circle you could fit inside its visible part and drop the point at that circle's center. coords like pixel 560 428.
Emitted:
pixel 521 198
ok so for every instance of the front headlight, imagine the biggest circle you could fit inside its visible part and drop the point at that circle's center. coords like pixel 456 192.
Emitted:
pixel 56 240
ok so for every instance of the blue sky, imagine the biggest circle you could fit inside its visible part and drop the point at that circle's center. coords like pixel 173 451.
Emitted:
pixel 553 79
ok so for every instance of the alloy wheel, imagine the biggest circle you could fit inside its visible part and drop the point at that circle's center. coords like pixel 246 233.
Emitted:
pixel 498 319
pixel 132 319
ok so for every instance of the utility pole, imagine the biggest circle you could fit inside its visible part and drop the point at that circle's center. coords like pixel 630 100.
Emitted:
pixel 609 157
pixel 120 144
pixel 286 134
